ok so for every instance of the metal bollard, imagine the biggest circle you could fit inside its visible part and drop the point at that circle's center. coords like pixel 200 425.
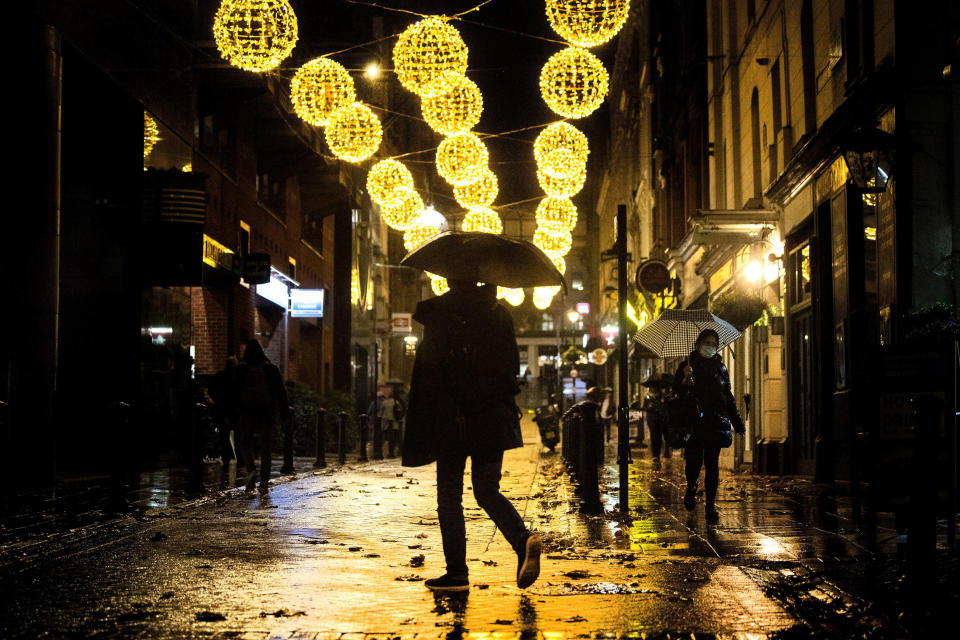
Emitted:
pixel 321 461
pixel 6 506
pixel 341 438
pixel 118 416
pixel 363 438
pixel 377 438
pixel 288 442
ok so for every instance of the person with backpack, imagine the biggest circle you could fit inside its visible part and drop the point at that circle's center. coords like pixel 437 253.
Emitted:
pixel 703 378
pixel 260 399
pixel 461 405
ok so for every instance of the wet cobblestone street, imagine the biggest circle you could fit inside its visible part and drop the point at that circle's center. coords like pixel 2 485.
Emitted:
pixel 345 550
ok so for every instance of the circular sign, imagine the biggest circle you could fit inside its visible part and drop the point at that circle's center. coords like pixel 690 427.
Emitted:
pixel 574 373
pixel 598 356
pixel 653 276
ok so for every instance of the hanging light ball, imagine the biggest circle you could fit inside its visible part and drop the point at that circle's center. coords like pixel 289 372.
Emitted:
pixel 564 187
pixel 430 57
pixel 543 296
pixel 151 134
pixel 461 158
pixel 403 208
pixel 553 241
pixel 480 193
pixel 587 23
pixel 561 150
pixel 319 88
pixel 385 177
pixel 557 213
pixel 482 219
pixel 513 296
pixel 439 284
pixel 559 262
pixel 255 35
pixel 573 82
pixel 455 110
pixel 417 234
pixel 353 132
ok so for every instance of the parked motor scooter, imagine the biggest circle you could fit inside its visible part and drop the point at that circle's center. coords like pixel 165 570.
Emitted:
pixel 547 418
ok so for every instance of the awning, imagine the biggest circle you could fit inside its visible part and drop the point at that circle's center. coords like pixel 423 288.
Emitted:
pixel 732 226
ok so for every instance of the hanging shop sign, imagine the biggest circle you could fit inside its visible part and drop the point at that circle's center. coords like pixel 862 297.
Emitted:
pixel 653 276
pixel 218 255
pixel 276 291
pixel 306 303
pixel 583 308
pixel 256 268
pixel 401 323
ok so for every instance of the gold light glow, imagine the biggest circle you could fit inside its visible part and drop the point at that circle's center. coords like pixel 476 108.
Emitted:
pixel 402 209
pixel 353 132
pixel 482 219
pixel 543 296
pixel 461 158
pixel 553 241
pixel 564 187
pixel 430 57
pixel 151 134
pixel 319 88
pixel 417 234
pixel 561 150
pixel 514 296
pixel 480 193
pixel 574 82
pixel 439 284
pixel 455 110
pixel 559 262
pixel 557 213
pixel 255 35
pixel 385 177
pixel 587 23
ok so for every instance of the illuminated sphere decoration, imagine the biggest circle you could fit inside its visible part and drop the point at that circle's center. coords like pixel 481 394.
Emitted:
pixel 480 193
pixel 385 178
pixel 559 262
pixel 456 110
pixel 574 82
pixel 483 220
pixel 513 296
pixel 561 150
pixel 255 35
pixel 439 284
pixel 151 134
pixel 462 158
pixel 557 213
pixel 587 23
pixel 402 209
pixel 430 57
pixel 564 187
pixel 553 241
pixel 417 234
pixel 543 296
pixel 353 132
pixel 319 88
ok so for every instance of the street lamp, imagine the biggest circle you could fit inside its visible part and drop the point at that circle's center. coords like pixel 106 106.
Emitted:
pixel 573 316
pixel 868 154
pixel 372 71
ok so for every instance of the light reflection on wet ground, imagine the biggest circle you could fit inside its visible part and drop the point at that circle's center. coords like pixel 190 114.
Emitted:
pixel 340 552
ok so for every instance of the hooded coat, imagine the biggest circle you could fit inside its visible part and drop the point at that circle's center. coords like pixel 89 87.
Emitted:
pixel 711 386
pixel 253 356
pixel 437 422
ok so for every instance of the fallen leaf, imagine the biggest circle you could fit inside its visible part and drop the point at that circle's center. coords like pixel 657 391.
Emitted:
pixel 210 616
pixel 417 561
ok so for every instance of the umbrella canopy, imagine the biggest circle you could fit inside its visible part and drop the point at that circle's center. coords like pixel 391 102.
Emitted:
pixel 674 333
pixel 485 257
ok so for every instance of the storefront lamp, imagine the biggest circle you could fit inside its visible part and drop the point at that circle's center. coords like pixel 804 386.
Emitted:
pixel 868 154
pixel 753 271
pixel 573 316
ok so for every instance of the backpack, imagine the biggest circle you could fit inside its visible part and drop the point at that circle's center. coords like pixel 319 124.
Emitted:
pixel 399 410
pixel 255 395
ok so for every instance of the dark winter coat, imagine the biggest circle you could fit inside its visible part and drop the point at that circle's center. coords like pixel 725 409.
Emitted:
pixel 436 422
pixel 254 357
pixel 711 386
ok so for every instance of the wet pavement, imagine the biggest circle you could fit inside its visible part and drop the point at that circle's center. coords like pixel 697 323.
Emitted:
pixel 342 552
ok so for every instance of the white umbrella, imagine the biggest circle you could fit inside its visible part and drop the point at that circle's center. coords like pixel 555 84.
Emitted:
pixel 675 332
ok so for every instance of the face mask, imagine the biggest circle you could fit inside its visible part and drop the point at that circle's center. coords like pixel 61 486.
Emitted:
pixel 708 352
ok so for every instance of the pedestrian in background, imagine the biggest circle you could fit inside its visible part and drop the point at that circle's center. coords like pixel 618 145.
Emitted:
pixel 655 410
pixel 462 404
pixel 261 399
pixel 704 377
pixel 221 392
pixel 389 424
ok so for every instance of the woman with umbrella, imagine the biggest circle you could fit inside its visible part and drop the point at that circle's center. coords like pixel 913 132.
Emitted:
pixel 704 377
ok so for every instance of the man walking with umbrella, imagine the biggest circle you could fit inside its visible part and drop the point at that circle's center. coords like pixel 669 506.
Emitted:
pixel 461 405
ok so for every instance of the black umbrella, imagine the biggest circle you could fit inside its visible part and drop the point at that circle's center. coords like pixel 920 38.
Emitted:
pixel 658 381
pixel 485 257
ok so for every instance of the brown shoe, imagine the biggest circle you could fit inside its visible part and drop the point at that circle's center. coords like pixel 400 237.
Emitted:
pixel 528 560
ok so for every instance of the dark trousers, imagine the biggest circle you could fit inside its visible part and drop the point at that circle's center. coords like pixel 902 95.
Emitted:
pixel 486 489
pixel 709 458
pixel 657 439
pixel 256 434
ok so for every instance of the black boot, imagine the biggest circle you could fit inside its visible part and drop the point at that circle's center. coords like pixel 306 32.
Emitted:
pixel 690 498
